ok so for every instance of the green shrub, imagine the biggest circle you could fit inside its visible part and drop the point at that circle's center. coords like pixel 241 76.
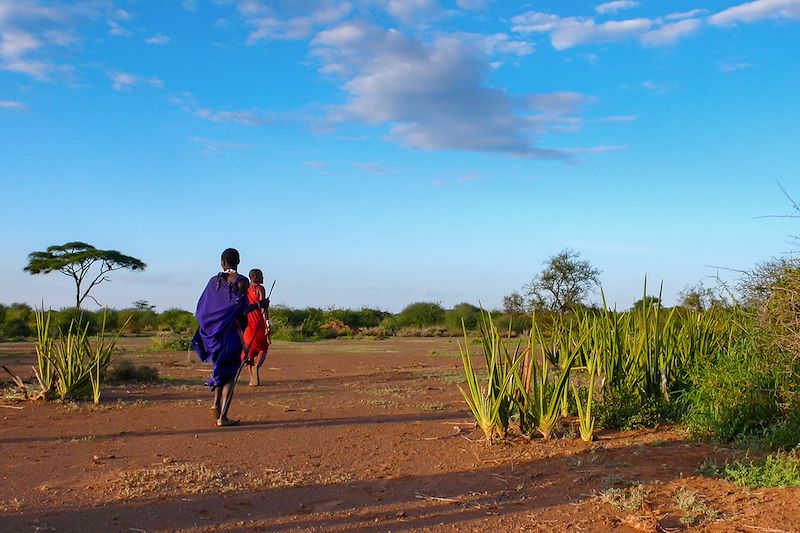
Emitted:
pixel 421 314
pixel 463 313
pixel 139 320
pixel 733 395
pixel 172 343
pixel 17 322
pixel 177 321
pixel 125 372
pixel 777 470
pixel 628 411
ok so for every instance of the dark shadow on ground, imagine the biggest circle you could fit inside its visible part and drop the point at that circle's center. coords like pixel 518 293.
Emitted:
pixel 401 504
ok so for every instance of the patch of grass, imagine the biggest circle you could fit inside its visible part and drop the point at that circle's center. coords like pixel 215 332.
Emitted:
pixel 627 499
pixel 174 478
pixel 83 407
pixel 780 469
pixel 694 508
pixel 171 343
pixel 336 478
pixel 281 478
pixel 710 468
pixel 379 402
pixel 452 376
pixel 397 393
pixel 432 406
pixel 126 372
pixel 448 353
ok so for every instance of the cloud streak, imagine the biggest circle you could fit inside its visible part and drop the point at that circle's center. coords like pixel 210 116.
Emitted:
pixel 757 11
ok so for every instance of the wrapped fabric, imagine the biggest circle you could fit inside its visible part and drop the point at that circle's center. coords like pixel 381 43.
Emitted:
pixel 220 311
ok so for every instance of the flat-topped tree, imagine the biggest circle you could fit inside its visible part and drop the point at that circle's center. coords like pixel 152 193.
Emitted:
pixel 78 261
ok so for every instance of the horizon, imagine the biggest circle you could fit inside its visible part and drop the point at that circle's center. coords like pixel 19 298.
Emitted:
pixel 377 154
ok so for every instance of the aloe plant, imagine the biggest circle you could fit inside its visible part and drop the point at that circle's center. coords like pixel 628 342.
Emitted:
pixel 585 418
pixel 70 365
pixel 490 402
pixel 539 401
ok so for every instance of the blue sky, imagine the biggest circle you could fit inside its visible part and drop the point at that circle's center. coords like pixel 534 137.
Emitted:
pixel 380 152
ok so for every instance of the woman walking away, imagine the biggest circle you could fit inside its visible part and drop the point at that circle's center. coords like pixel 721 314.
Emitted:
pixel 256 334
pixel 221 315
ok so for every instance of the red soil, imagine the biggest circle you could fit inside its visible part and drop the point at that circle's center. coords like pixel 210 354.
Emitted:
pixel 344 436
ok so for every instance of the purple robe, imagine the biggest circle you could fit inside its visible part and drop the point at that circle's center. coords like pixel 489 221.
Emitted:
pixel 218 312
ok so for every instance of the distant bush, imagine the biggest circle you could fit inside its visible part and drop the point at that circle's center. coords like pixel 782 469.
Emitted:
pixel 18 321
pixel 463 313
pixel 125 372
pixel 172 343
pixel 139 320
pixel 421 314
pixel 176 320
pixel 431 331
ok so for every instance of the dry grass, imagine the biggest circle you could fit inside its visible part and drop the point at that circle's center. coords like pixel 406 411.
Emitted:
pixel 627 499
pixel 695 509
pixel 83 407
pixel 178 479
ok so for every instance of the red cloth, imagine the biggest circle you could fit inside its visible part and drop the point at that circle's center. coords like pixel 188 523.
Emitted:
pixel 255 334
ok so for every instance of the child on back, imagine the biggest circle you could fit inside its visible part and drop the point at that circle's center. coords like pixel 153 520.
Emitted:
pixel 256 334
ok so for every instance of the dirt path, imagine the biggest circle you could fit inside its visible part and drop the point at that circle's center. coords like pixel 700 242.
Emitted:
pixel 345 436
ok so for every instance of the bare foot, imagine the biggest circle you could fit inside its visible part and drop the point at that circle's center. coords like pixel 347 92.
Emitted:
pixel 215 412
pixel 225 422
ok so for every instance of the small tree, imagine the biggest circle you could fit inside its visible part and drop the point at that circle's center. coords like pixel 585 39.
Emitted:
pixel 514 304
pixel 78 260
pixel 564 283
pixel 647 301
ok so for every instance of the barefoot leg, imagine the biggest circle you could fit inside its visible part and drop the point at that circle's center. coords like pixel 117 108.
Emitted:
pixel 227 398
pixel 262 356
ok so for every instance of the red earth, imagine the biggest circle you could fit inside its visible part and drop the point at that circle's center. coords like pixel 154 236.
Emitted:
pixel 342 436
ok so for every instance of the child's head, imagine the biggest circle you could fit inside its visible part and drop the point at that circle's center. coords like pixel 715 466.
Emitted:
pixel 256 276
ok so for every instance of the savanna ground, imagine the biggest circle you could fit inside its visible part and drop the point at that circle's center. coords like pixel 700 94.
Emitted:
pixel 344 436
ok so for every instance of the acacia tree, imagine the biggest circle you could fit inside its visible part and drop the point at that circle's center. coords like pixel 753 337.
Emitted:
pixel 564 283
pixel 78 261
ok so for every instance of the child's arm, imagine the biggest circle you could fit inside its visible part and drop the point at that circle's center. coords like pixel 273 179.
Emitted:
pixel 265 312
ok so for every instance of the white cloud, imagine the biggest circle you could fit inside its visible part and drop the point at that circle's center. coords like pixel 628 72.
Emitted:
pixel 17 43
pixel 559 103
pixel 449 106
pixel 189 5
pixel 12 104
pixel 604 149
pixel 117 29
pixel 244 118
pixel 289 20
pixel 733 66
pixel 573 31
pixel 375 168
pixel 616 5
pixel 686 14
pixel 669 34
pixel 569 32
pixel 469 178
pixel 473 5
pixel 155 83
pixel 122 80
pixel 319 165
pixel 158 38
pixel 756 11
pixel 30 31
pixel 503 44
pixel 212 148
pixel 412 11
